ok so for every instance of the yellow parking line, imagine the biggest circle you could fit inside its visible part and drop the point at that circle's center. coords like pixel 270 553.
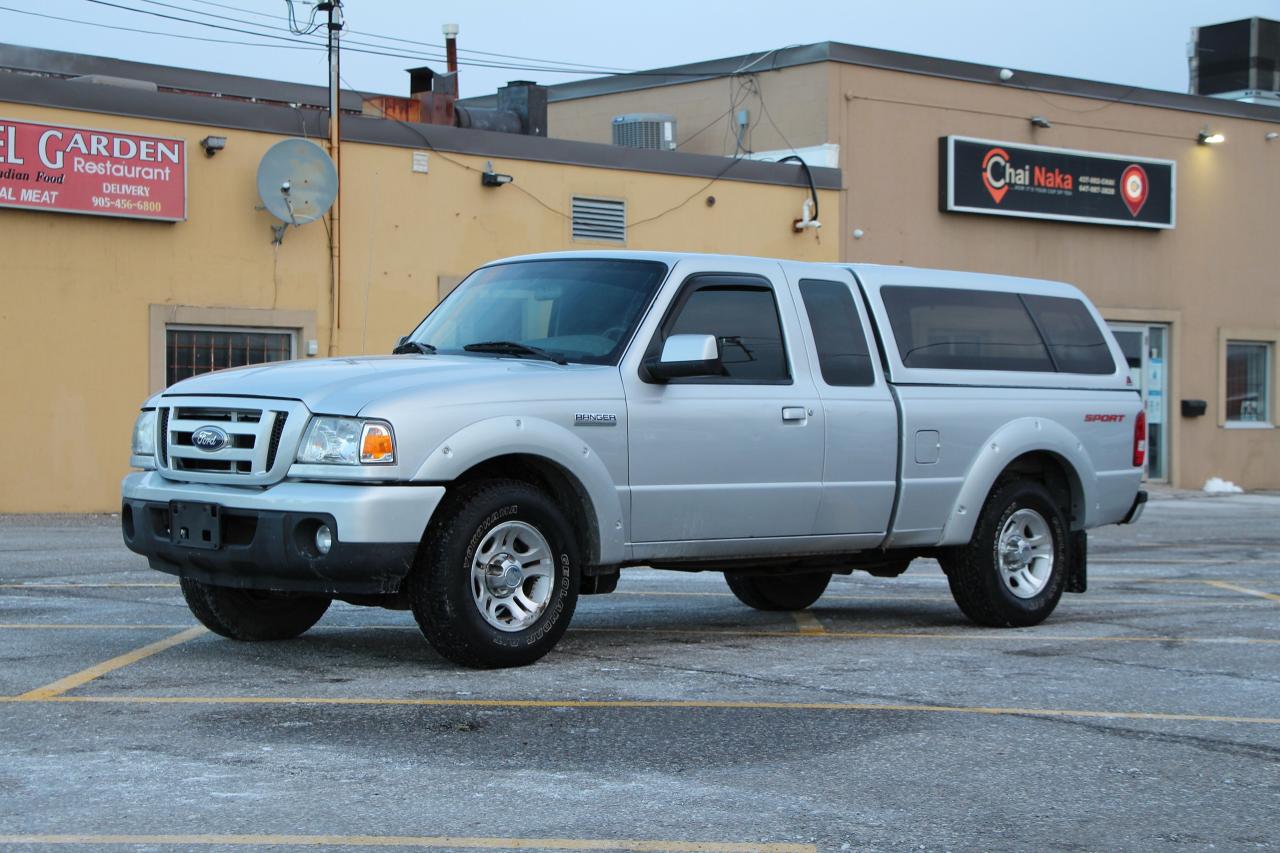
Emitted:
pixel 808 623
pixel 1014 635
pixel 1270 596
pixel 427 841
pixel 1135 601
pixel 73 585
pixel 62 685
pixel 671 704
pixel 82 627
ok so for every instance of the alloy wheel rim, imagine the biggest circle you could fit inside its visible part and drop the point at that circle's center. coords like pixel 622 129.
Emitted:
pixel 1025 553
pixel 512 576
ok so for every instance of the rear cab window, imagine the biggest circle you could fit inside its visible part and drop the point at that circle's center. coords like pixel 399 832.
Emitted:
pixel 844 359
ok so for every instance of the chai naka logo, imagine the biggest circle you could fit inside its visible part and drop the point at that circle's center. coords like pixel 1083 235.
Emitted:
pixel 999 173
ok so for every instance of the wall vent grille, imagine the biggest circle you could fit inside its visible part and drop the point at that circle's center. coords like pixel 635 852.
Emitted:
pixel 599 219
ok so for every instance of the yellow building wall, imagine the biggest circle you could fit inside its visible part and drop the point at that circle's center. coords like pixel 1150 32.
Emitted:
pixel 77 290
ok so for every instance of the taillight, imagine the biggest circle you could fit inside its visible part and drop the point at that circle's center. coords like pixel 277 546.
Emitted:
pixel 1140 439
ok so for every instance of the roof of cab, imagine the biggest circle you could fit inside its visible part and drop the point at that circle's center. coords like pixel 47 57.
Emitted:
pixel 872 275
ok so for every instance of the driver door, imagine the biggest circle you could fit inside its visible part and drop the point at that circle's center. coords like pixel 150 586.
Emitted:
pixel 730 458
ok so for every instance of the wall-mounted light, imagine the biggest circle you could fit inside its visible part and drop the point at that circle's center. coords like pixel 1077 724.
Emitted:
pixel 1006 74
pixel 1272 136
pixel 1041 122
pixel 1207 137
pixel 490 178
pixel 213 144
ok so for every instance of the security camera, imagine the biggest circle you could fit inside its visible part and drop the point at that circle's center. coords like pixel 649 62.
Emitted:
pixel 1006 74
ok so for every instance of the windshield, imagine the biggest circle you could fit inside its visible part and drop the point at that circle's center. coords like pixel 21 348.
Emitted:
pixel 579 310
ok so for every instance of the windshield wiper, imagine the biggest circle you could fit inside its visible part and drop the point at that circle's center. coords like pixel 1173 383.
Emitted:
pixel 414 346
pixel 513 348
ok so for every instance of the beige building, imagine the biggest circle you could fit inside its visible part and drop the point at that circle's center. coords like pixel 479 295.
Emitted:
pixel 1196 305
pixel 101 311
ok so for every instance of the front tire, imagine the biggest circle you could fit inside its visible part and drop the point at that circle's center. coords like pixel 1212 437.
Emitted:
pixel 1013 570
pixel 778 592
pixel 497 581
pixel 253 615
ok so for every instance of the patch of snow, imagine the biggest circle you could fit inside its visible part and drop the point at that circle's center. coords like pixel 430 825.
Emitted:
pixel 1219 486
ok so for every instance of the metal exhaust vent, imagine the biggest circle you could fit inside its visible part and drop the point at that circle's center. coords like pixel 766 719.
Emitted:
pixel 600 219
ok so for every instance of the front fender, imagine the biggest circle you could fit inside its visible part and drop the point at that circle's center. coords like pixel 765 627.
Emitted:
pixel 1014 439
pixel 507 435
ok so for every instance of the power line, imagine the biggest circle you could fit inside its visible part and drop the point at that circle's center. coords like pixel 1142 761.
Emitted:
pixel 153 32
pixel 383 37
pixel 365 46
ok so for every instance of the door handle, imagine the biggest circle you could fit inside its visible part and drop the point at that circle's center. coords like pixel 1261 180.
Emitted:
pixel 794 413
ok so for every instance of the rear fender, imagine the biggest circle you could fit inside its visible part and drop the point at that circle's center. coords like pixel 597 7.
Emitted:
pixel 1014 439
pixel 505 435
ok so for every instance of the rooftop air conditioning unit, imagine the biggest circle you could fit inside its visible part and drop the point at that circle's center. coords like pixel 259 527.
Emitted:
pixel 645 130
pixel 1239 60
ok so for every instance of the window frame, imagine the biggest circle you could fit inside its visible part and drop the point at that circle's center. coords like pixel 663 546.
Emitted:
pixel 1270 340
pixel 687 288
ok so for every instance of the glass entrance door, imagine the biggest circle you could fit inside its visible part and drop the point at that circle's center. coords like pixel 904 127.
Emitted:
pixel 1145 347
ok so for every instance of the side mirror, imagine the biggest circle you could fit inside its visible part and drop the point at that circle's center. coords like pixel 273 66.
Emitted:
pixel 686 355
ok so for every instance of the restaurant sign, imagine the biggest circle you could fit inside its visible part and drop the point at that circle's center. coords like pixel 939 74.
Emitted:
pixel 100 172
pixel 1032 181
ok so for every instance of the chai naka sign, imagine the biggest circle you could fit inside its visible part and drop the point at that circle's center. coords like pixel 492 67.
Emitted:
pixel 1032 181
pixel 100 172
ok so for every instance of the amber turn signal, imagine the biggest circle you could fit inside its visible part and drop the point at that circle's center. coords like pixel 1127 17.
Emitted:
pixel 377 445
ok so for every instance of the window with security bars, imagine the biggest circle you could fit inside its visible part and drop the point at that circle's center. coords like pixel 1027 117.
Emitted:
pixel 202 349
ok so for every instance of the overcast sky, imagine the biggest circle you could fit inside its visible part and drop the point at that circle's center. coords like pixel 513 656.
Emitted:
pixel 1133 42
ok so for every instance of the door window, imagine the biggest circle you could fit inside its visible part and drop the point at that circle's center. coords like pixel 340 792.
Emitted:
pixel 741 313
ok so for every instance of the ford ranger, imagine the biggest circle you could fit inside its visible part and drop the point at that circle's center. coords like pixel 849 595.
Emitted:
pixel 560 417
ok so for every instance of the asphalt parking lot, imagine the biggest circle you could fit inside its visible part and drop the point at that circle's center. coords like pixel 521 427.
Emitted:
pixel 1144 714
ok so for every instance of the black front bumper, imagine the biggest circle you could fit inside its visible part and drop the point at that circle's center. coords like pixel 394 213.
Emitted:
pixel 261 549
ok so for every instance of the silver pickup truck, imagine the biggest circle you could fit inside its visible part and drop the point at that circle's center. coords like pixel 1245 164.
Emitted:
pixel 559 417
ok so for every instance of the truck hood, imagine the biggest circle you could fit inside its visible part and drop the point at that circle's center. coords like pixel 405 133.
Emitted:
pixel 344 386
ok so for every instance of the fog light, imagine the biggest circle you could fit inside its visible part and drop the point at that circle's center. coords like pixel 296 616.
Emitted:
pixel 324 539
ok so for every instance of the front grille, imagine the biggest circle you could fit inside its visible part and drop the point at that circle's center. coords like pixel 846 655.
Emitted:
pixel 252 444
pixel 163 449
pixel 276 432
pixel 217 415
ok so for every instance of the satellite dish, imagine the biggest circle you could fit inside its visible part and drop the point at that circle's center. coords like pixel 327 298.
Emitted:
pixel 297 182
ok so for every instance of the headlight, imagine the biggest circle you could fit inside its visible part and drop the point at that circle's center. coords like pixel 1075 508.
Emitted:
pixel 144 434
pixel 347 441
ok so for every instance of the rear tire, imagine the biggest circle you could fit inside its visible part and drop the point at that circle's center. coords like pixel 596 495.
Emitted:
pixel 497 581
pixel 1013 570
pixel 778 592
pixel 253 615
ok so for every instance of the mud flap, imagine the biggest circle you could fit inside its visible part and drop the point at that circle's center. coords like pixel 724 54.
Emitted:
pixel 1078 562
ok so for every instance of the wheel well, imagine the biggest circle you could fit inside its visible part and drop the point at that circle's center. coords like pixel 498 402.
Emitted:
pixel 551 478
pixel 1058 476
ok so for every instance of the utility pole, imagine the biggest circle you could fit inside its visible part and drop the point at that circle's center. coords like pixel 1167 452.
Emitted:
pixel 334 8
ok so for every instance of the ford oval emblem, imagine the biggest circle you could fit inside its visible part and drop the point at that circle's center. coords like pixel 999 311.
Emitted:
pixel 209 438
